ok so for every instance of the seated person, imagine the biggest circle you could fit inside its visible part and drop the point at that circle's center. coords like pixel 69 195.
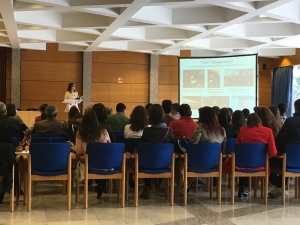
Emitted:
pixel 90 132
pixel 13 125
pixel 168 106
pixel 238 120
pixel 137 122
pixel 101 113
pixel 7 159
pixel 224 118
pixel 11 113
pixel 118 121
pixel 175 112
pixel 69 123
pixel 49 125
pixel 42 109
pixel 255 132
pixel 246 113
pixel 157 133
pixel 289 133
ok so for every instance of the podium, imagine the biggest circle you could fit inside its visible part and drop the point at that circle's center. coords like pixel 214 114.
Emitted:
pixel 71 102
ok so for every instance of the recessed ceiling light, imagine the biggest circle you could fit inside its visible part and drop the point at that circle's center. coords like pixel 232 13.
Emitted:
pixel 262 16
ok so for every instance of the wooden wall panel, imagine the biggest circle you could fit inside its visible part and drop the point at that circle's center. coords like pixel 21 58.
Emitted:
pixel 8 75
pixel 168 78
pixel 45 76
pixel 133 67
pixel 264 81
pixel 109 73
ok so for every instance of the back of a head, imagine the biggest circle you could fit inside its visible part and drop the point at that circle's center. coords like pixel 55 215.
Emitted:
pixel 43 115
pixel 208 116
pixel 175 107
pixel 72 112
pixel 253 120
pixel 224 116
pixel 43 107
pixel 11 109
pixel 2 108
pixel 88 106
pixel 246 112
pixel 266 116
pixel 148 106
pixel 100 111
pixel 297 106
pixel 231 111
pixel 185 110
pixel 156 114
pixel 167 106
pixel 282 108
pixel 138 118
pixel 120 107
pixel 108 111
pixel 51 111
pixel 238 119
pixel 217 109
pixel 89 130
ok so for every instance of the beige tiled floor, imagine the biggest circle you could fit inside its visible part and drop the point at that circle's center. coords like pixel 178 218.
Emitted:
pixel 49 207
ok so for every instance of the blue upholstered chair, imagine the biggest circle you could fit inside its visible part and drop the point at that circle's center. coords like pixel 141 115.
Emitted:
pixel 250 155
pixel 119 137
pixel 154 160
pixel 290 168
pixel 131 144
pixel 46 135
pixel 104 161
pixel 203 160
pixel 17 136
pixel 49 161
pixel 230 142
pixel 15 142
pixel 47 139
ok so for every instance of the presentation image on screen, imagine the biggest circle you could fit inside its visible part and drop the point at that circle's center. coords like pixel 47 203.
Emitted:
pixel 222 81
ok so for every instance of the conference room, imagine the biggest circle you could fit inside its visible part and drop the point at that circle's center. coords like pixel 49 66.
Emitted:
pixel 230 54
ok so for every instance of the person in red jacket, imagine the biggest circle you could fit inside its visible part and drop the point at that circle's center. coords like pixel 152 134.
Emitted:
pixel 183 128
pixel 255 133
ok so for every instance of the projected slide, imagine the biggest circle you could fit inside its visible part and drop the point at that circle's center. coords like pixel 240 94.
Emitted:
pixel 223 81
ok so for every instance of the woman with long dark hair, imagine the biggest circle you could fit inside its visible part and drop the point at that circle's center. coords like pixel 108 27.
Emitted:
pixel 224 119
pixel 101 112
pixel 137 122
pixel 275 110
pixel 209 129
pixel 268 120
pixel 238 120
pixel 254 133
pixel 90 131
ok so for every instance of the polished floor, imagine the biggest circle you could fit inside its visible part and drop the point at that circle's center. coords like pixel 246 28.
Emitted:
pixel 49 207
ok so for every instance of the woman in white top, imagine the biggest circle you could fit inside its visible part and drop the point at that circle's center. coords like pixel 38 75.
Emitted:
pixel 71 93
pixel 138 121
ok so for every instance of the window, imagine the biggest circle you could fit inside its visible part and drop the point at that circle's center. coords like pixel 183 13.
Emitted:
pixel 296 85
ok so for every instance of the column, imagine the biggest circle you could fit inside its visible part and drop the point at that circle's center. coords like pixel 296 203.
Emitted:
pixel 16 77
pixel 87 78
pixel 153 87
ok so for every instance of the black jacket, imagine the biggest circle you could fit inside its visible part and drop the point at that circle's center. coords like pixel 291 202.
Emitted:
pixel 156 134
pixel 14 126
pixel 230 130
pixel 289 133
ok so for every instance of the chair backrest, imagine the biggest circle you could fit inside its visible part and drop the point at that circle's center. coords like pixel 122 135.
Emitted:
pixel 48 139
pixel 49 156
pixel 15 142
pixel 230 142
pixel 46 135
pixel 292 155
pixel 131 143
pixel 17 136
pixel 250 155
pixel 105 155
pixel 155 155
pixel 119 138
pixel 203 155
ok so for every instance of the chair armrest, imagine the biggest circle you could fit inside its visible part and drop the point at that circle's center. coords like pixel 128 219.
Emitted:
pixel 179 156
pixel 226 156
pixel 278 156
pixel 129 155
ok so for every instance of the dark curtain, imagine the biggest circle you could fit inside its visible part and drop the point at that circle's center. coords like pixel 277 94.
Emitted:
pixel 282 87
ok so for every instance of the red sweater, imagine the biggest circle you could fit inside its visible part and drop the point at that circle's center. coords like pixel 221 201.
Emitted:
pixel 258 134
pixel 185 126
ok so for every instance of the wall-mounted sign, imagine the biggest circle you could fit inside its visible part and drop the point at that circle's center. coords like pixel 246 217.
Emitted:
pixel 120 80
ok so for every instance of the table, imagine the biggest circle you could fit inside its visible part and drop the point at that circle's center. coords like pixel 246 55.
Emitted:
pixel 28 116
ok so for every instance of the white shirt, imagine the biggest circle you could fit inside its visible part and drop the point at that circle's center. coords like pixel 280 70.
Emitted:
pixel 128 133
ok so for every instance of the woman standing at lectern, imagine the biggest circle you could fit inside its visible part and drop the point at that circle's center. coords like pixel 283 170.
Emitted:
pixel 71 93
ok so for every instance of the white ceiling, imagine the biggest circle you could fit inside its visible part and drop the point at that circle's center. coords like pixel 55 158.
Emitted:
pixel 206 27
